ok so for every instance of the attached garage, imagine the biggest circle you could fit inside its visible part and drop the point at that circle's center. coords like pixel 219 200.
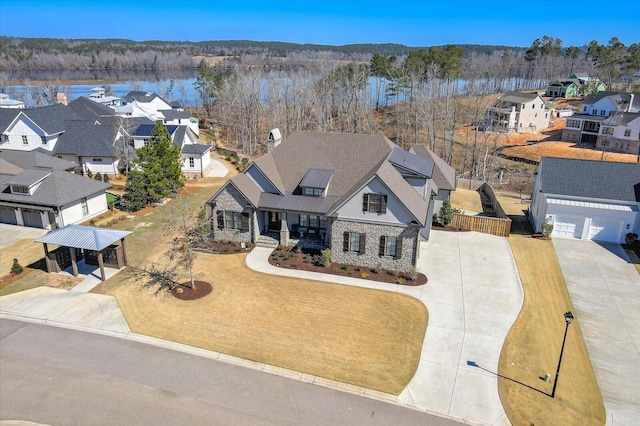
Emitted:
pixel 8 215
pixel 605 229
pixel 589 220
pixel 32 218
pixel 587 200
pixel 567 226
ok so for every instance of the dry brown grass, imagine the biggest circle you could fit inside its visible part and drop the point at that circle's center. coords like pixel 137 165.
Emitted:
pixel 32 278
pixel 466 199
pixel 533 345
pixel 364 337
pixel 26 251
pixel 566 150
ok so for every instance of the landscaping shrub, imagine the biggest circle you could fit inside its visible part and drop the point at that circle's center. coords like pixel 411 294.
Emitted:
pixel 401 281
pixel 16 268
pixel 446 212
pixel 325 257
pixel 105 178
pixel 98 176
pixel 413 273
pixel 364 275
pixel 547 229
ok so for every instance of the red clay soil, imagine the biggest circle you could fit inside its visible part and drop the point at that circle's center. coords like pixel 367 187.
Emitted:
pixel 183 291
pixel 288 258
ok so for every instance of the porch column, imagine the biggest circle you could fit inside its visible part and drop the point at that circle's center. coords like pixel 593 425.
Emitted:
pixel 74 263
pixel 124 252
pixel 101 264
pixel 284 230
pixel 46 256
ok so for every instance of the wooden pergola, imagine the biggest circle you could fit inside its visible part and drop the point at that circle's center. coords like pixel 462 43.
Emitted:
pixel 77 241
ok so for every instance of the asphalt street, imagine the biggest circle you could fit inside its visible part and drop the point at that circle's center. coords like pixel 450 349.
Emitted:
pixel 62 377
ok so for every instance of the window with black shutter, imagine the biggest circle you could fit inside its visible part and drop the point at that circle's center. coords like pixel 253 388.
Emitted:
pixel 220 217
pixel 398 248
pixel 245 222
pixel 376 203
pixel 390 246
pixel 354 241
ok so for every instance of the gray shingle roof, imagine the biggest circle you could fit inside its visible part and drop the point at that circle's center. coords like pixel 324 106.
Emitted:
pixel 49 118
pixel 34 160
pixel 84 237
pixel 518 97
pixel 590 179
pixel 58 189
pixel 172 114
pixel 444 175
pixel 88 109
pixel 620 99
pixel 621 118
pixel 84 138
pixel 195 148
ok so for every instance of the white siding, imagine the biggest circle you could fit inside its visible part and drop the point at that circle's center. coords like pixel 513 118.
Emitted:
pixel 72 213
pixel 25 127
pixel 396 213
pixel 108 165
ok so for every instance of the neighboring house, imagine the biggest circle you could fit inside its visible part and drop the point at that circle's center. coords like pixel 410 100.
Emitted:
pixel 586 126
pixel 620 133
pixel 518 112
pixel 589 200
pixel 29 129
pixel 366 199
pixel 563 89
pixel 39 191
pixel 155 108
pixel 6 102
pixel 195 156
pixel 575 85
pixel 98 94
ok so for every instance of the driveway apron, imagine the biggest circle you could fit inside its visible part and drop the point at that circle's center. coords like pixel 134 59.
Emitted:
pixel 605 292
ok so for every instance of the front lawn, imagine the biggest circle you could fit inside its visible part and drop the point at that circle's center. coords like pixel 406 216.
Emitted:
pixel 364 337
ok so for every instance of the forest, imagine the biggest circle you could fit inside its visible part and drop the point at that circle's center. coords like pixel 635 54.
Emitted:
pixel 412 95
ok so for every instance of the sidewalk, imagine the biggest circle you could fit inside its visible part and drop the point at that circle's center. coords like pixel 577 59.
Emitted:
pixel 472 299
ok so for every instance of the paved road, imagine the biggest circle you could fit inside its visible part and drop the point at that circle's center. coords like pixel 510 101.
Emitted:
pixel 605 291
pixel 63 377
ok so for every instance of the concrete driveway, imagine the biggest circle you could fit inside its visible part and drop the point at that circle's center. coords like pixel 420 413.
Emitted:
pixel 10 234
pixel 605 291
pixel 473 296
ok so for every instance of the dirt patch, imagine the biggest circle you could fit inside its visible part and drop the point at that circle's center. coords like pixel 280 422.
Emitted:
pixel 185 292
pixel 224 247
pixel 308 260
pixel 566 150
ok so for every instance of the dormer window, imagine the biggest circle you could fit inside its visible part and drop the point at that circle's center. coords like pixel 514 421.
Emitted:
pixel 19 189
pixel 43 139
pixel 312 192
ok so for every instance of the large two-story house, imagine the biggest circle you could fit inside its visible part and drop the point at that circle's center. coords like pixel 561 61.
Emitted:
pixel 608 120
pixel 517 112
pixel 366 199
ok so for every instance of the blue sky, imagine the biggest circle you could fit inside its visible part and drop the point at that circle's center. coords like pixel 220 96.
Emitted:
pixel 414 23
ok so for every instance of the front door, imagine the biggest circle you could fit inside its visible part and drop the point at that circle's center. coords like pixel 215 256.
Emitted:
pixel 275 220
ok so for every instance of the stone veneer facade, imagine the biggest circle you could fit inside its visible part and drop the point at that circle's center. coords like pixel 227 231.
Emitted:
pixel 371 258
pixel 232 200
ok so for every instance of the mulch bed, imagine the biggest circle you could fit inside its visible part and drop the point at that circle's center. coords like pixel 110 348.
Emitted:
pixel 183 291
pixel 448 228
pixel 285 257
pixel 224 247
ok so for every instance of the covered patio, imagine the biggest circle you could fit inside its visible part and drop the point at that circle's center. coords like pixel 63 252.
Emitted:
pixel 96 246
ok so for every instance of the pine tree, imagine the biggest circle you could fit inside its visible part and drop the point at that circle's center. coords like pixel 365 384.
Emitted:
pixel 135 192
pixel 161 165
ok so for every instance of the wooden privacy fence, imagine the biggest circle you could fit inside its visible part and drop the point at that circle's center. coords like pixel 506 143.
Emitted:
pixel 486 225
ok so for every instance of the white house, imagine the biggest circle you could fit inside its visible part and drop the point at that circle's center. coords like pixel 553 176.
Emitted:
pixel 98 94
pixel 7 102
pixel 37 190
pixel 518 112
pixel 589 200
pixel 620 132
pixel 196 157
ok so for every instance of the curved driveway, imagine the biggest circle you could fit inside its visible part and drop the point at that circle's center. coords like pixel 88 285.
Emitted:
pixel 605 291
pixel 473 297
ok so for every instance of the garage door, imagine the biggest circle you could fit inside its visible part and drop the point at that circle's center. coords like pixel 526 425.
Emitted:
pixel 567 226
pixel 32 218
pixel 605 229
pixel 8 215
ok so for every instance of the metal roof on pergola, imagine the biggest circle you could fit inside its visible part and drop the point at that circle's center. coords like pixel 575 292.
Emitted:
pixel 84 237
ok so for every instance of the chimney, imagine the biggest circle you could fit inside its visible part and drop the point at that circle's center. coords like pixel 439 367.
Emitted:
pixel 274 139
pixel 61 98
